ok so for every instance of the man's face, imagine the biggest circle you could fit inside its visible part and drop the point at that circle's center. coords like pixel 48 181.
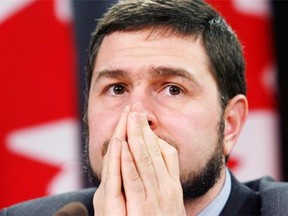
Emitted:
pixel 171 78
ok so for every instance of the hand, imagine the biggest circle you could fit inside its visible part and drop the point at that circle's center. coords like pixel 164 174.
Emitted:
pixel 150 170
pixel 109 198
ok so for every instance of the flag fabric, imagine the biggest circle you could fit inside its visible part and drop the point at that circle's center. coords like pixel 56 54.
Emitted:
pixel 257 151
pixel 39 130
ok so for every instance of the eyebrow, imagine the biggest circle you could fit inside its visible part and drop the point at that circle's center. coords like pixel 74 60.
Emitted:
pixel 153 72
pixel 163 71
pixel 112 74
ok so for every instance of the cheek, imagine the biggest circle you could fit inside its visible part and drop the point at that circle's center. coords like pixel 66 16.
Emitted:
pixel 193 127
pixel 195 136
pixel 101 126
pixel 101 121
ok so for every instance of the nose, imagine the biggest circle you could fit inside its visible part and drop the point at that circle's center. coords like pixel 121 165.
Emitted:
pixel 151 117
pixel 152 121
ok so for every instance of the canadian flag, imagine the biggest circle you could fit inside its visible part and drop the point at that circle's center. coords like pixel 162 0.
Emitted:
pixel 257 151
pixel 39 130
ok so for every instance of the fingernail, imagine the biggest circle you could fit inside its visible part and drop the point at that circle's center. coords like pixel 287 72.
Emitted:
pixel 138 107
pixel 134 117
pixel 125 111
pixel 115 141
pixel 127 108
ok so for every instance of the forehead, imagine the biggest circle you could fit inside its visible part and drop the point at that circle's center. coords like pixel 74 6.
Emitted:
pixel 137 50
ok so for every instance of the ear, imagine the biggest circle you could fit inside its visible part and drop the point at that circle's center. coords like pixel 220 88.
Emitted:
pixel 234 116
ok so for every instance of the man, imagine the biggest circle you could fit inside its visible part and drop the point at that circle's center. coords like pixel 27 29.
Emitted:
pixel 166 104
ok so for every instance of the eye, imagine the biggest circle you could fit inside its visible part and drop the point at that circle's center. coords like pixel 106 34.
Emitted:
pixel 172 90
pixel 116 89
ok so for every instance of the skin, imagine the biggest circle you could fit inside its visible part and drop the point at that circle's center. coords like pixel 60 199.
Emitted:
pixel 157 102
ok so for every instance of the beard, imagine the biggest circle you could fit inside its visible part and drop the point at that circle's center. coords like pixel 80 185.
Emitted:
pixel 194 184
pixel 198 183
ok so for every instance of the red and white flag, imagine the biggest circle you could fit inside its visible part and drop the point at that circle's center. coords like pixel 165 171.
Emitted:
pixel 39 130
pixel 257 151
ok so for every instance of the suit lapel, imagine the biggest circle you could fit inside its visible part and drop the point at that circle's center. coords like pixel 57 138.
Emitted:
pixel 242 200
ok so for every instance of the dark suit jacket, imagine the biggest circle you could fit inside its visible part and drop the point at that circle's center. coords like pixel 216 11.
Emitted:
pixel 259 197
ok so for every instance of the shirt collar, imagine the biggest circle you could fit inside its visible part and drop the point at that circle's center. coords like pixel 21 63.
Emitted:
pixel 217 205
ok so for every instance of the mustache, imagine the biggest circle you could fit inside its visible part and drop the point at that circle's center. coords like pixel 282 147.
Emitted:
pixel 168 140
pixel 105 147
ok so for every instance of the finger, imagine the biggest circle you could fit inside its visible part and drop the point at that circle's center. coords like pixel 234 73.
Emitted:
pixel 170 156
pixel 152 145
pixel 139 152
pixel 119 133
pixel 108 198
pixel 113 180
pixel 155 152
pixel 133 186
pixel 120 130
pixel 105 190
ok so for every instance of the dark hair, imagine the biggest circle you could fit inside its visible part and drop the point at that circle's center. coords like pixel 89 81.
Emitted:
pixel 185 18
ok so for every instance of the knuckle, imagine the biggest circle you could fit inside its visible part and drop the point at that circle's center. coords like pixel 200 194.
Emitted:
pixel 155 149
pixel 146 160
pixel 133 176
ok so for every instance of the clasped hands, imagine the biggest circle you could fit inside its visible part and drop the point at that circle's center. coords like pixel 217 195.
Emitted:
pixel 140 173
